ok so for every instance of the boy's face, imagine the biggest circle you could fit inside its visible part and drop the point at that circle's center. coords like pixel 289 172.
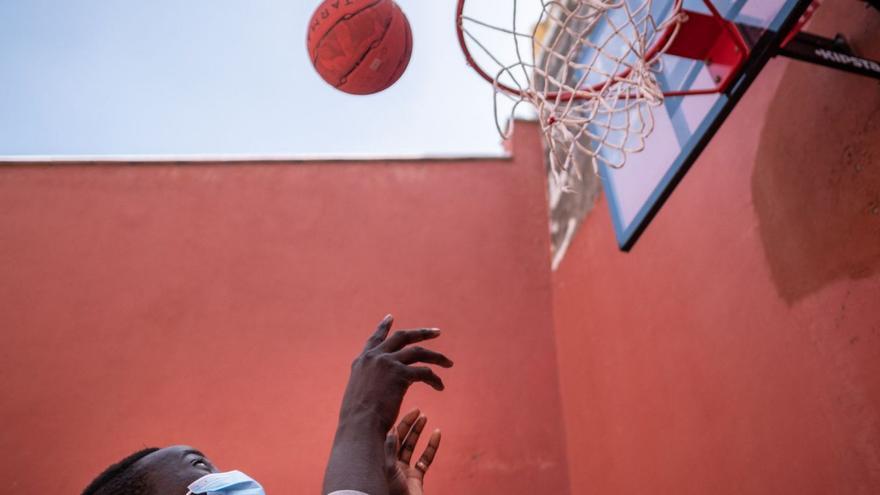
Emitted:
pixel 170 470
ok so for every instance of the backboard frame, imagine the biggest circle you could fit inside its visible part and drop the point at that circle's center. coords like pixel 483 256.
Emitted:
pixel 765 45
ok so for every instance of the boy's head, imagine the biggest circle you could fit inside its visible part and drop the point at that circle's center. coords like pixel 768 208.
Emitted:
pixel 153 471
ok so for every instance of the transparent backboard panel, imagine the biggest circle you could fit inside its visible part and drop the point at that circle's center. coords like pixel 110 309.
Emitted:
pixel 683 125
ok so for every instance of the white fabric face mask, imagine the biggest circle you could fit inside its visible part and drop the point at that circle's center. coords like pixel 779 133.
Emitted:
pixel 228 483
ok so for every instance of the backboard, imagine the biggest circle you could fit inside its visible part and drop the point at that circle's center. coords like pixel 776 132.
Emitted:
pixel 684 125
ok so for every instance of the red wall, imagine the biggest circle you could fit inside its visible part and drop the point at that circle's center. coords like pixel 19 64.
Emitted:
pixel 737 348
pixel 220 305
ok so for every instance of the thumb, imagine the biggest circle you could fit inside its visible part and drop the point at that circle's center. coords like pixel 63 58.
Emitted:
pixel 391 443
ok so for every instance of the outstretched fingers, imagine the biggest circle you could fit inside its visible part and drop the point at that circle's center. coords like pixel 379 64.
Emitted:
pixel 425 375
pixel 403 338
pixel 406 423
pixel 412 355
pixel 430 451
pixel 381 332
pixel 409 444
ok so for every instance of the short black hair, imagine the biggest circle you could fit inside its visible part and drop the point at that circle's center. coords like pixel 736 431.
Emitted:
pixel 120 479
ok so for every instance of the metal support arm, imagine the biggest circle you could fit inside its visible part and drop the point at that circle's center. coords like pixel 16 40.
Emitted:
pixel 835 53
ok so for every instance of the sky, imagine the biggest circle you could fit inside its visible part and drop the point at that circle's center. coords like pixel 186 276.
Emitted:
pixel 222 77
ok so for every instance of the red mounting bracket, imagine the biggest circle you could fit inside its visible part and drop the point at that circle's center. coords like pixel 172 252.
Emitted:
pixel 714 40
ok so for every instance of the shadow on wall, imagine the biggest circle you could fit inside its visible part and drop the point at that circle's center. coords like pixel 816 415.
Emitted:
pixel 816 182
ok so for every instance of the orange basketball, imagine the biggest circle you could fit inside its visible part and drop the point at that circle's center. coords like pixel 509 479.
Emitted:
pixel 360 46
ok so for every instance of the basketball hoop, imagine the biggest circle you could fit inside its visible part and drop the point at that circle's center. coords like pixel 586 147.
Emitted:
pixel 588 67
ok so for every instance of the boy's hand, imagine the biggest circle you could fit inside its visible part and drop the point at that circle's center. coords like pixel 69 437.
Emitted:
pixel 404 479
pixel 382 373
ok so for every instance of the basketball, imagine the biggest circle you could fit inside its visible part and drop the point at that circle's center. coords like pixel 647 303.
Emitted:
pixel 360 47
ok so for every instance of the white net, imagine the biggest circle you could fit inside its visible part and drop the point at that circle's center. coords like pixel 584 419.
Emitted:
pixel 588 67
